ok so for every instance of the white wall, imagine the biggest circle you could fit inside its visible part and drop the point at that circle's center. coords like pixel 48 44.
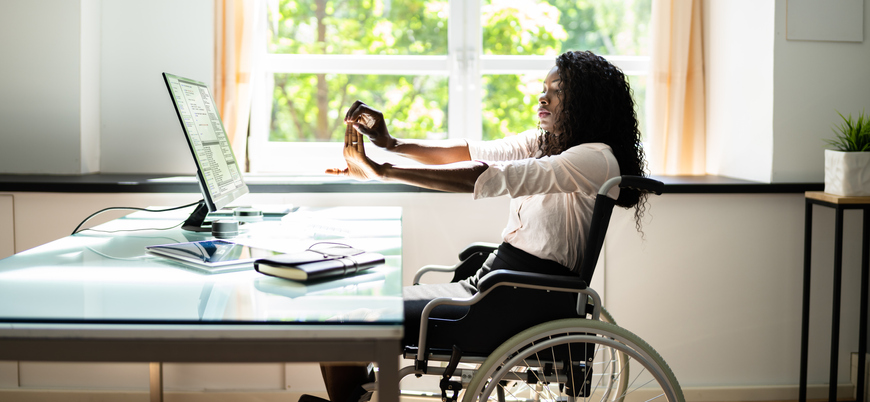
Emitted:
pixel 738 67
pixel 91 31
pixel 716 286
pixel 812 81
pixel 140 132
pixel 48 91
pixel 83 92
pixel 773 100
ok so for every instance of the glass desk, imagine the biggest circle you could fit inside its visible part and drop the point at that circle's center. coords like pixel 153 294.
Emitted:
pixel 98 297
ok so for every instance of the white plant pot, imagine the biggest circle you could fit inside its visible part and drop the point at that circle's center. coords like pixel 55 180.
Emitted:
pixel 847 173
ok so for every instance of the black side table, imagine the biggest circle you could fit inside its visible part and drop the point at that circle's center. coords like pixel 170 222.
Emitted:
pixel 840 204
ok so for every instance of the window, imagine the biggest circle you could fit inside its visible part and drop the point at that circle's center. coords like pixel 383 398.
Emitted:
pixel 436 68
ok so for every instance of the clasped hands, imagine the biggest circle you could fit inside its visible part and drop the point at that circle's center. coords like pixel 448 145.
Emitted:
pixel 361 119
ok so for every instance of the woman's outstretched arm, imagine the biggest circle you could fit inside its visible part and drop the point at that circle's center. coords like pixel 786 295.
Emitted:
pixel 371 123
pixel 456 177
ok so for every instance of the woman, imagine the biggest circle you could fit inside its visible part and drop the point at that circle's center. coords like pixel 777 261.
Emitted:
pixel 587 133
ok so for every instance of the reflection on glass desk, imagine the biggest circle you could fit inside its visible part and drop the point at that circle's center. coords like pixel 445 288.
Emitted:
pixel 96 296
pixel 98 277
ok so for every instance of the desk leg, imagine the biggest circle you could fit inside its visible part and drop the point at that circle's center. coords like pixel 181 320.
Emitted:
pixel 805 319
pixel 835 310
pixel 156 374
pixel 862 331
pixel 388 371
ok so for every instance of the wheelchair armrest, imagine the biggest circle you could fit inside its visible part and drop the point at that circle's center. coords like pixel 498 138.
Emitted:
pixel 477 247
pixel 643 184
pixel 530 280
pixel 470 260
pixel 432 268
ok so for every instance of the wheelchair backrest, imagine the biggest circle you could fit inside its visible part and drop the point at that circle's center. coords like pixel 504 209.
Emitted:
pixel 601 218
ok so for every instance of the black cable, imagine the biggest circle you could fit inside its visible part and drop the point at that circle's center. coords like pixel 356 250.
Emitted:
pixel 334 245
pixel 76 230
pixel 104 255
pixel 129 230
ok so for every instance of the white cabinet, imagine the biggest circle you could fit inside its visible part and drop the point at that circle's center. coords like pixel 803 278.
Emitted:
pixel 7 226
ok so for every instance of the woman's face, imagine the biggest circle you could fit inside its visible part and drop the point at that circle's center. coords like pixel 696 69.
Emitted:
pixel 549 101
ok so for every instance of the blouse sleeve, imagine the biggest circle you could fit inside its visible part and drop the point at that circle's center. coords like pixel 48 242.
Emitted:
pixel 583 168
pixel 519 146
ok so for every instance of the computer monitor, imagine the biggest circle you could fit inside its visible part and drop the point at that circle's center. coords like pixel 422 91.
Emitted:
pixel 217 172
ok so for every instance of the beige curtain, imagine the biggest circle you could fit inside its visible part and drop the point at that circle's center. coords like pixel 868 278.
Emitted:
pixel 675 90
pixel 233 31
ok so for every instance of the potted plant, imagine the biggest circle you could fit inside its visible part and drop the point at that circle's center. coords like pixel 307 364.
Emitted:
pixel 847 166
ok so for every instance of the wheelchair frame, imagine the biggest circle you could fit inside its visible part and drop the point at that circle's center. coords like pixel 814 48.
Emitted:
pixel 495 370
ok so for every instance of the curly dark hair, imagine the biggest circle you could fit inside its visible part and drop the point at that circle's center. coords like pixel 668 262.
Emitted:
pixel 597 106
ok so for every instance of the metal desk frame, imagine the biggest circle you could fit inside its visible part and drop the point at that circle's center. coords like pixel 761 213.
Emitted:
pixel 839 204
pixel 207 343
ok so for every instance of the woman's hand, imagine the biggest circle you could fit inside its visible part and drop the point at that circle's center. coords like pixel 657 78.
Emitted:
pixel 370 122
pixel 359 166
pixel 454 177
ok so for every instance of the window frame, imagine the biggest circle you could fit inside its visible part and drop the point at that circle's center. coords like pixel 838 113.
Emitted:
pixel 464 65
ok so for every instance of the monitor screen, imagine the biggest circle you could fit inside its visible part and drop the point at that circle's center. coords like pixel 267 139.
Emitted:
pixel 219 176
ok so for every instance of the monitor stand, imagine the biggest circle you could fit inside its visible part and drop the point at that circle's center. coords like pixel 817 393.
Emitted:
pixel 195 222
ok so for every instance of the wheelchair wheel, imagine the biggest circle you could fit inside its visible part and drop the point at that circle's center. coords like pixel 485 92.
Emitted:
pixel 557 360
pixel 612 365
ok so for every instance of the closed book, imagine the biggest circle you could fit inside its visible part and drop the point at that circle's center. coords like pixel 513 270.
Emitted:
pixel 359 284
pixel 308 268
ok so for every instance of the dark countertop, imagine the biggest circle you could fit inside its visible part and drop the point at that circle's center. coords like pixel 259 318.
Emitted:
pixel 162 183
pixel 720 184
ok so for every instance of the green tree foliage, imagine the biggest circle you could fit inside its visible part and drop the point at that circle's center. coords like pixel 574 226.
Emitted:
pixel 371 27
pixel 606 26
pixel 516 28
pixel 550 28
pixel 311 107
pixel 415 106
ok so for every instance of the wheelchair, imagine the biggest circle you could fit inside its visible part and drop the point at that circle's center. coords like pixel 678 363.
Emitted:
pixel 550 353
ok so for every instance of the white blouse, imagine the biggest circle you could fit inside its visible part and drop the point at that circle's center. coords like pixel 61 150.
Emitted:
pixel 552 197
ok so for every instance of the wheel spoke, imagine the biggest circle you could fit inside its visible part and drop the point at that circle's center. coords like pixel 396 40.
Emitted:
pixel 608 350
